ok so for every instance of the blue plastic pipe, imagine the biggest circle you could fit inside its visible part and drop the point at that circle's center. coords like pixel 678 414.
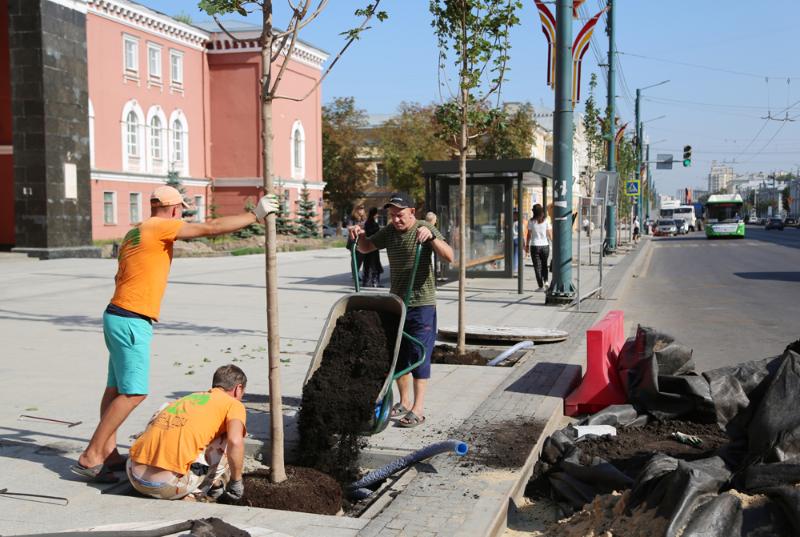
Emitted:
pixel 357 489
pixel 508 352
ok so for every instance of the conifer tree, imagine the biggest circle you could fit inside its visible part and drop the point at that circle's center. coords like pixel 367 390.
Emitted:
pixel 306 216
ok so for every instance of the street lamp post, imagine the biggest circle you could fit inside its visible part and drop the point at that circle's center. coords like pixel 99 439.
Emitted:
pixel 640 159
pixel 561 289
pixel 611 163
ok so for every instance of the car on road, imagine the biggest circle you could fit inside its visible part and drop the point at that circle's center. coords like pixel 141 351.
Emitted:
pixel 790 221
pixel 666 228
pixel 774 223
pixel 682 226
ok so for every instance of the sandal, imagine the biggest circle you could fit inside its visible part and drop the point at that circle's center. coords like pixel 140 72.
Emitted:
pixel 95 474
pixel 398 410
pixel 118 466
pixel 410 420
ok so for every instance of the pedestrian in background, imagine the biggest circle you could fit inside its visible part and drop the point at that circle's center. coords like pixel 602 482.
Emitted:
pixel 144 262
pixel 432 219
pixel 373 268
pixel 358 217
pixel 540 235
pixel 636 229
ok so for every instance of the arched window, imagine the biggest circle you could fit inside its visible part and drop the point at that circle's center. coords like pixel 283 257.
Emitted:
pixel 298 151
pixel 133 135
pixel 156 139
pixel 177 143
pixel 132 130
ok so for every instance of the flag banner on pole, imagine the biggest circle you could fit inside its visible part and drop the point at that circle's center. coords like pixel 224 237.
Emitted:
pixel 579 48
pixel 549 31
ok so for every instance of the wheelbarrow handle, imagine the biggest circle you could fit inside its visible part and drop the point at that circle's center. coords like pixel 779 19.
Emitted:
pixel 417 255
pixel 415 365
pixel 354 265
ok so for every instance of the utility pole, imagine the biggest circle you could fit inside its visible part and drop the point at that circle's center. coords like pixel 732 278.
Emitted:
pixel 639 148
pixel 649 186
pixel 561 289
pixel 611 163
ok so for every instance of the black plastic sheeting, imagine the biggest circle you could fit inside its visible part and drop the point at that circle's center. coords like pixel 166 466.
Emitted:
pixel 755 403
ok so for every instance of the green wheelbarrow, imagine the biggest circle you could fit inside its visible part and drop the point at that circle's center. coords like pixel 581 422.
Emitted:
pixel 393 313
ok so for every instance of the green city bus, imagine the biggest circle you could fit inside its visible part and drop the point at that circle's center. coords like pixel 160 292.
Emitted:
pixel 724 216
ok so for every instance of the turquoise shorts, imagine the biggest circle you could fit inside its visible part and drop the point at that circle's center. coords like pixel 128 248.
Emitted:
pixel 128 342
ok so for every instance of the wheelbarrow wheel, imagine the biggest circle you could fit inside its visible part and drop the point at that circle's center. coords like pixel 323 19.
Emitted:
pixel 382 412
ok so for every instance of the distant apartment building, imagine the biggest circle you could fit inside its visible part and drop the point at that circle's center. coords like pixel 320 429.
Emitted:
pixel 719 177
pixel 129 95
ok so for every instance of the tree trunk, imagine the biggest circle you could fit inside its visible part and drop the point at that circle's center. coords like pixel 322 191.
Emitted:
pixel 278 473
pixel 462 227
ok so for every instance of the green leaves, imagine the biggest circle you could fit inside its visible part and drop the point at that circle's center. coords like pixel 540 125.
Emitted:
pixel 344 137
pixel 223 7
pixel 405 141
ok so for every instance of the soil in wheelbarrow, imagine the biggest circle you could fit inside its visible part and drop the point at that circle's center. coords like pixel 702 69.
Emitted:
pixel 305 490
pixel 339 399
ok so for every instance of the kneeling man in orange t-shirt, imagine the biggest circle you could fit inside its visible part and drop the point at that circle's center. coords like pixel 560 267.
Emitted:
pixel 194 445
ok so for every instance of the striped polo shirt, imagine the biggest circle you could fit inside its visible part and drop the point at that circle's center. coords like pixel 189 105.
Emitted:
pixel 400 248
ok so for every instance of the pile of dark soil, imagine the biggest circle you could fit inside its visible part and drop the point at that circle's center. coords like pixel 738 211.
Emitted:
pixel 630 450
pixel 305 490
pixel 339 400
pixel 502 445
pixel 447 354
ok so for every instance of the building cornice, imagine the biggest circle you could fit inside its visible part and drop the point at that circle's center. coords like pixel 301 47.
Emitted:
pixel 146 20
pixel 221 43
pixel 259 182
pixel 103 175
pixel 77 5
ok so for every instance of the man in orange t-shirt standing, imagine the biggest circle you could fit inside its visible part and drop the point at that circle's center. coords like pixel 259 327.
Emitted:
pixel 144 262
pixel 194 445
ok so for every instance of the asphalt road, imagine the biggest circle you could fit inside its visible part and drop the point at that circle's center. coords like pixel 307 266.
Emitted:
pixel 730 300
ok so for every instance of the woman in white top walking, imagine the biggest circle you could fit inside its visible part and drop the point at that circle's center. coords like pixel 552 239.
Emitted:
pixel 540 234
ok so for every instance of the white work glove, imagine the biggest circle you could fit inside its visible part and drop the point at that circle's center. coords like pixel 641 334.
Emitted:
pixel 235 490
pixel 266 205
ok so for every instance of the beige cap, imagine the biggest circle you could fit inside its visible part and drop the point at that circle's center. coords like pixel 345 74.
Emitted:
pixel 164 196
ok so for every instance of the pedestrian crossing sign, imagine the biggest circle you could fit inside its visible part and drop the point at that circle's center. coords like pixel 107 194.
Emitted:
pixel 632 187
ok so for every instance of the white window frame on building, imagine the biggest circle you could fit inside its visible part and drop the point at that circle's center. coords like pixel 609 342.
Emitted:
pixel 297 150
pixel 91 134
pixel 133 138
pixel 157 151
pixel 154 71
pixel 176 60
pixel 381 177
pixel 200 206
pixel 112 221
pixel 135 209
pixel 180 165
pixel 130 65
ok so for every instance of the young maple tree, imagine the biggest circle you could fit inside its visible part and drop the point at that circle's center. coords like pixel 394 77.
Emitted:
pixel 475 33
pixel 275 44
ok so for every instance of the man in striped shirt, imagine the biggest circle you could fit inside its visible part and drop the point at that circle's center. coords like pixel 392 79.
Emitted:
pixel 400 238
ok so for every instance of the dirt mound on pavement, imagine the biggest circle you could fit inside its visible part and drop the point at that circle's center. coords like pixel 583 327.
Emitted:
pixel 339 400
pixel 305 490
pixel 630 450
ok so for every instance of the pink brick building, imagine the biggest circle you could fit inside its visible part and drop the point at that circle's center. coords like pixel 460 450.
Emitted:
pixel 167 96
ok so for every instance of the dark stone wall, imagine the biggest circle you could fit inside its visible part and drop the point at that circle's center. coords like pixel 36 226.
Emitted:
pixel 50 121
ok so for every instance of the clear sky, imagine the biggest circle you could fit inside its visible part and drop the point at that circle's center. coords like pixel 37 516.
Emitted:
pixel 729 65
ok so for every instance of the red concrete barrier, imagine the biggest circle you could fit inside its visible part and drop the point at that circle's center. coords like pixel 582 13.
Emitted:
pixel 600 386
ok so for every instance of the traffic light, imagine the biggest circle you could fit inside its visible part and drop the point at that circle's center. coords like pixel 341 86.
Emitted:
pixel 687 156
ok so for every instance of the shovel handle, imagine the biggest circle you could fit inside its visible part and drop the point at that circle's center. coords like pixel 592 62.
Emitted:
pixel 417 255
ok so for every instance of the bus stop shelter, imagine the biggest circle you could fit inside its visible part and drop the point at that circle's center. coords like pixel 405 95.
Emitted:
pixel 495 188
